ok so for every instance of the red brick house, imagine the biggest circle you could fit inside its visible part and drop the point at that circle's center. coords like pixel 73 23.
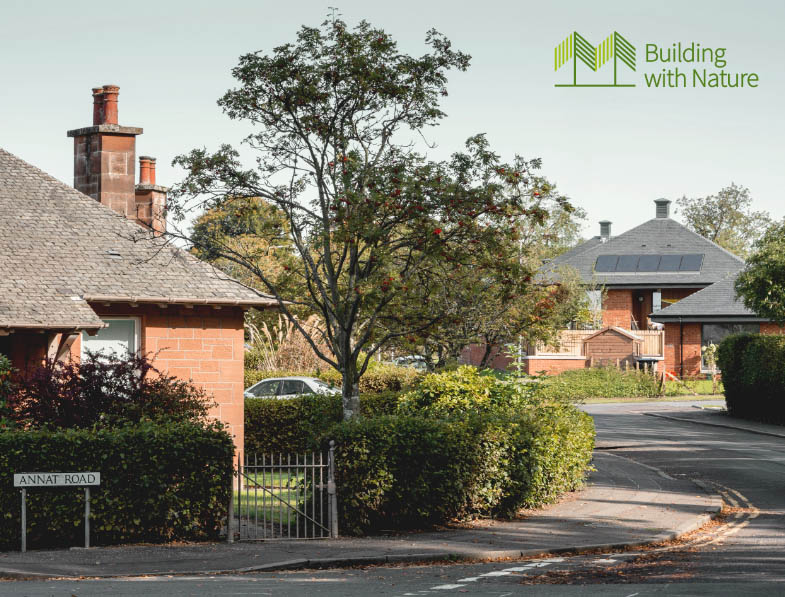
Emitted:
pixel 669 288
pixel 87 268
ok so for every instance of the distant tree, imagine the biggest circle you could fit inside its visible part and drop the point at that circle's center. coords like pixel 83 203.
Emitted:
pixel 761 286
pixel 335 117
pixel 726 218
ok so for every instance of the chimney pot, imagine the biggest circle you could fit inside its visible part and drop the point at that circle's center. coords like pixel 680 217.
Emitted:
pixel 144 169
pixel 110 93
pixel 605 230
pixel 663 208
pixel 98 105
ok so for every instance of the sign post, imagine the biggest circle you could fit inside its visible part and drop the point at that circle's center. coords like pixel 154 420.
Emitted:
pixel 86 479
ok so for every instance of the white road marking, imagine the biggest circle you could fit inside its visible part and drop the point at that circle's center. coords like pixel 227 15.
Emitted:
pixel 447 587
pixel 469 579
pixel 497 573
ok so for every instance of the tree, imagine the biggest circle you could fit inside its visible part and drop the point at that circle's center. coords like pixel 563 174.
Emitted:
pixel 726 218
pixel 372 220
pixel 761 285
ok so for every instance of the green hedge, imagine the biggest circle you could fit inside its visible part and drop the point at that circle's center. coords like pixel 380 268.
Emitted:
pixel 753 374
pixel 605 382
pixel 296 424
pixel 158 483
pixel 413 472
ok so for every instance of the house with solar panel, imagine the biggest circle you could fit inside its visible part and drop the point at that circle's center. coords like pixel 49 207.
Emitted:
pixel 662 292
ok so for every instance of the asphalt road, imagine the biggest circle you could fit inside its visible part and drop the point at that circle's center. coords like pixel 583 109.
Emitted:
pixel 742 555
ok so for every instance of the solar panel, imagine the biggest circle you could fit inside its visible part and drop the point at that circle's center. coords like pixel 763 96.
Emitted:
pixel 648 263
pixel 691 263
pixel 606 263
pixel 627 263
pixel 669 263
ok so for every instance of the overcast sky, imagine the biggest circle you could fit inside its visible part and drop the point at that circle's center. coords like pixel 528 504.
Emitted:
pixel 612 150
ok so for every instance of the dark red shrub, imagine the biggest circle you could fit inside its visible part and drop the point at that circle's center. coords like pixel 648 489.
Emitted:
pixel 105 391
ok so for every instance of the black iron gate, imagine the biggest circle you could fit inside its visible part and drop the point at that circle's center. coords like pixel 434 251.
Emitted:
pixel 285 496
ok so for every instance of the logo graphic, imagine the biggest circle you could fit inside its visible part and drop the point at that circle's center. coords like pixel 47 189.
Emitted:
pixel 576 47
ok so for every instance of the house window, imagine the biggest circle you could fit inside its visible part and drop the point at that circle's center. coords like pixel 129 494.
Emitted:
pixel 120 338
pixel 714 333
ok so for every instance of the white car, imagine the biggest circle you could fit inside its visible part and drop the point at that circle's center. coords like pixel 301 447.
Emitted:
pixel 288 387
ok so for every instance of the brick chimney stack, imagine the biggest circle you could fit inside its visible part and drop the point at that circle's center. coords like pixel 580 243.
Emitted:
pixel 105 155
pixel 150 198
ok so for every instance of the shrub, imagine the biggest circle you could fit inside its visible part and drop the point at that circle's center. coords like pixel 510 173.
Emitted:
pixel 466 391
pixel 6 387
pixel 753 374
pixel 605 382
pixel 105 391
pixel 411 471
pixel 295 425
pixel 379 377
pixel 273 425
pixel 159 482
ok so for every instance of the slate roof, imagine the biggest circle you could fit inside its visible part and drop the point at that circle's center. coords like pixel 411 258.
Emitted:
pixel 659 236
pixel 59 249
pixel 713 303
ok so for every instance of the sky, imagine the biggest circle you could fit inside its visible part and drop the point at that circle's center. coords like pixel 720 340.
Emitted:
pixel 611 150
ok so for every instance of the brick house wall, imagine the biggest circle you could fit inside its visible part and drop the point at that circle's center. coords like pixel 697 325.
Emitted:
pixel 617 309
pixel 553 366
pixel 691 348
pixel 472 355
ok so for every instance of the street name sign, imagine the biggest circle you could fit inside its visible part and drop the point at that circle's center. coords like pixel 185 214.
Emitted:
pixel 56 479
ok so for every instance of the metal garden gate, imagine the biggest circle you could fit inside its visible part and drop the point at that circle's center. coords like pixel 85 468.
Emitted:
pixel 285 496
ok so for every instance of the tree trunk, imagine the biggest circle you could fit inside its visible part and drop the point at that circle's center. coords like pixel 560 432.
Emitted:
pixel 350 392
pixel 484 361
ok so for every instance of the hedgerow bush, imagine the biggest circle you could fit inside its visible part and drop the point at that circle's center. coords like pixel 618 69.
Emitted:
pixel 606 382
pixel 466 390
pixel 753 374
pixel 159 482
pixel 295 425
pixel 408 471
pixel 379 377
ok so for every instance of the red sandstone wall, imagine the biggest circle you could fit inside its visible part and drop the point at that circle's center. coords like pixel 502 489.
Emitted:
pixel 200 344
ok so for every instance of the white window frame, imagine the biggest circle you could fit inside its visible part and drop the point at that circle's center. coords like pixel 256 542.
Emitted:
pixel 137 332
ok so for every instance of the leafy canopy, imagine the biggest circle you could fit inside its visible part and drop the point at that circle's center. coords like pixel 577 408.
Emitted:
pixel 337 118
pixel 726 218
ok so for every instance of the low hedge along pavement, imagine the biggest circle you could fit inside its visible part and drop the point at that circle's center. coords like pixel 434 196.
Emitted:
pixel 295 425
pixel 159 482
pixel 753 373
pixel 399 471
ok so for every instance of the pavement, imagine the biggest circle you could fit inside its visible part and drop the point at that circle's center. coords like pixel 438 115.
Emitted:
pixel 624 504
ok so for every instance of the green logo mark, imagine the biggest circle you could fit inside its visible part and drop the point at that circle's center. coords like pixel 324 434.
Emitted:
pixel 576 47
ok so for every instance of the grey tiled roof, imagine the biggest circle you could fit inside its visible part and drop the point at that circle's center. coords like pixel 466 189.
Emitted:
pixel 661 236
pixel 59 249
pixel 715 301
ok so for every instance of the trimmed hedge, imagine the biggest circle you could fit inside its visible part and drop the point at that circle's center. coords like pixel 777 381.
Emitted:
pixel 413 472
pixel 159 482
pixel 606 382
pixel 753 374
pixel 294 425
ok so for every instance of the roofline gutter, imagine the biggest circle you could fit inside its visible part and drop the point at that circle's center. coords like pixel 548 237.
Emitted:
pixel 39 326
pixel 100 298
pixel 709 319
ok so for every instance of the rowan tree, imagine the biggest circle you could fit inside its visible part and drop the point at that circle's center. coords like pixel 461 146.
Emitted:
pixel 337 117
